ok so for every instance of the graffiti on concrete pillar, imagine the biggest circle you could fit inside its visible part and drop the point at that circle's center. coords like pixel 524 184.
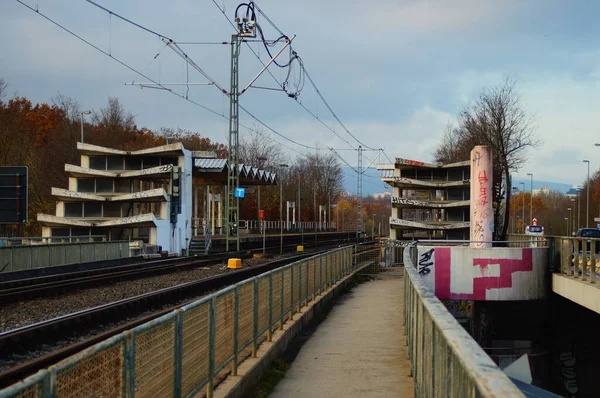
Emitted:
pixel 425 262
pixel 567 362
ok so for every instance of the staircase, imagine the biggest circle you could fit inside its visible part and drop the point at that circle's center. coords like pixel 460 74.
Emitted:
pixel 201 245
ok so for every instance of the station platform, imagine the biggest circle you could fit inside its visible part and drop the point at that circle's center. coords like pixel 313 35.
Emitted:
pixel 359 350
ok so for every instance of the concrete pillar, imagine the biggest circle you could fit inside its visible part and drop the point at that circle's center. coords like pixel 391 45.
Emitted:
pixel 482 217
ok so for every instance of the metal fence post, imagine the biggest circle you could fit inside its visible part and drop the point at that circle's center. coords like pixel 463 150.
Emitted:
pixel 307 292
pixel 236 321
pixel 130 363
pixel 584 260
pixel 300 287
pixel 211 347
pixel 314 292
pixel 255 328
pixel 178 353
pixel 593 262
pixel 282 301
pixel 292 292
pixel 321 274
pixel 270 330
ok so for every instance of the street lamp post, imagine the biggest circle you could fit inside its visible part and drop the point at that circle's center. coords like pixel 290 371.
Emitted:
pixel 573 215
pixel 587 210
pixel 523 218
pixel 569 229
pixel 567 220
pixel 83 113
pixel 281 166
pixel 578 208
pixel 531 199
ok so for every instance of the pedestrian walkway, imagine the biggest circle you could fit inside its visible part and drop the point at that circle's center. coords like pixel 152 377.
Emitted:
pixel 359 350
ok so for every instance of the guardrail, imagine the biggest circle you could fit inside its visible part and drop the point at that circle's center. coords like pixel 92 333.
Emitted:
pixel 37 240
pixel 445 360
pixel 19 258
pixel 579 258
pixel 182 353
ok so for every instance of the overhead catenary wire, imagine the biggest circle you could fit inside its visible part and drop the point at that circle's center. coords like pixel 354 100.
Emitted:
pixel 281 84
pixel 163 87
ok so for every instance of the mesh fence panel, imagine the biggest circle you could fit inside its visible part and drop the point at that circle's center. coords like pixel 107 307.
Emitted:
pixel 224 328
pixel 277 294
pixel 287 290
pixel 99 374
pixel 263 303
pixel 245 313
pixel 318 277
pixel 311 276
pixel 32 391
pixel 154 360
pixel 196 323
pixel 296 271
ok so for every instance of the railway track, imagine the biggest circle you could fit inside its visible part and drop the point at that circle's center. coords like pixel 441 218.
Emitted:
pixel 51 285
pixel 25 289
pixel 63 330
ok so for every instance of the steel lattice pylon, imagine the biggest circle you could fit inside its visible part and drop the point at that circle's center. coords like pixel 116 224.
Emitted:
pixel 233 176
pixel 359 218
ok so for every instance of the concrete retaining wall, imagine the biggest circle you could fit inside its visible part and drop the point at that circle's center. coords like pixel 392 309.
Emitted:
pixel 466 273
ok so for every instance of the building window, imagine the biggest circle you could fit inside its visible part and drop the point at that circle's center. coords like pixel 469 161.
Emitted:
pixel 112 209
pixel 169 160
pixel 85 185
pixel 92 209
pixel 57 232
pixel 98 162
pixel 104 185
pixel 73 209
pixel 123 186
pixel 128 210
pixel 150 162
pixel 80 231
pixel 114 163
pixel 132 163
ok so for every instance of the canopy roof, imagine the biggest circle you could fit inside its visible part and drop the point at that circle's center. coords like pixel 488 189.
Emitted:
pixel 215 171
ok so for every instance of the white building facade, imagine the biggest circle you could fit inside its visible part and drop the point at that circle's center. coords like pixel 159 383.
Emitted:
pixel 127 195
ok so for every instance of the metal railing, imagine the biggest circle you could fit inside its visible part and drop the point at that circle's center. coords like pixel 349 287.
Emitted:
pixel 579 258
pixel 182 353
pixel 445 360
pixel 43 240
pixel 207 240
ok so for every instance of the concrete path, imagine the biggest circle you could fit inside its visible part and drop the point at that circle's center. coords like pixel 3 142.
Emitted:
pixel 359 350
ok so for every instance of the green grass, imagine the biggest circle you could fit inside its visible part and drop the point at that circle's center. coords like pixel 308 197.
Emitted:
pixel 269 380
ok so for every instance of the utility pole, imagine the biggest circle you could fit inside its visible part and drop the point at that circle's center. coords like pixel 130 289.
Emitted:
pixel 233 160
pixel 300 212
pixel 587 189
pixel 359 196
pixel 315 213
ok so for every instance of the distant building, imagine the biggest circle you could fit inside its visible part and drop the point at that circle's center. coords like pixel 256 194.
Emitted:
pixel 541 191
pixel 572 193
pixel 428 200
pixel 382 195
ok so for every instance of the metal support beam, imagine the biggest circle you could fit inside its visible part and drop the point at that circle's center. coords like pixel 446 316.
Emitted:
pixel 359 218
pixel 233 179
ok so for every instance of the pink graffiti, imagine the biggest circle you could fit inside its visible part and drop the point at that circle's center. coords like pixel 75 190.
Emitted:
pixel 480 284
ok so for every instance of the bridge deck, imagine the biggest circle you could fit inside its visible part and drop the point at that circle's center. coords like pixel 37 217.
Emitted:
pixel 358 350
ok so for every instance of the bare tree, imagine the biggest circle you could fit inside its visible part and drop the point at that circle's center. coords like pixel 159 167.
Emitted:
pixel 69 105
pixel 259 150
pixel 498 120
pixel 114 126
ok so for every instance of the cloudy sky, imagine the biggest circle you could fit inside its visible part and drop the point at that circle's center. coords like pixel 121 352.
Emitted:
pixel 395 72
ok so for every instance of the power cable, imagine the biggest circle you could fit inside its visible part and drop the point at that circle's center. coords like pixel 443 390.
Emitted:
pixel 161 86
